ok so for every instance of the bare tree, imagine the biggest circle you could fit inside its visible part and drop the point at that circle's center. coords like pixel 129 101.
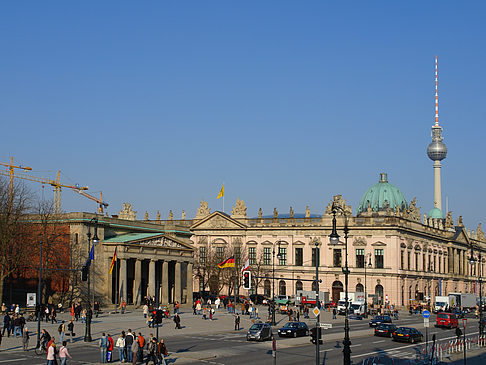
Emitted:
pixel 258 269
pixel 14 204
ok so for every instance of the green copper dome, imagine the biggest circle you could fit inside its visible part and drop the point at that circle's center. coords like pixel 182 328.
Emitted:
pixel 435 213
pixel 381 196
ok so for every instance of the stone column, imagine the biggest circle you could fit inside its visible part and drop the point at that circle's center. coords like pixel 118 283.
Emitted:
pixel 110 283
pixel 122 280
pixel 137 281
pixel 165 282
pixel 151 278
pixel 177 283
pixel 190 285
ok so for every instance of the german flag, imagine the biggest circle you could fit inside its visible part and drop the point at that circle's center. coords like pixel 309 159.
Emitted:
pixel 113 262
pixel 227 263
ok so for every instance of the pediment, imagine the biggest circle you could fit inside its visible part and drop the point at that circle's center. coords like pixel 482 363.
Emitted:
pixel 461 237
pixel 378 243
pixel 298 243
pixel 158 240
pixel 359 241
pixel 218 220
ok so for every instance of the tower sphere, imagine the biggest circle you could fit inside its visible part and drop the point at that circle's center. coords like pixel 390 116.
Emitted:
pixel 437 151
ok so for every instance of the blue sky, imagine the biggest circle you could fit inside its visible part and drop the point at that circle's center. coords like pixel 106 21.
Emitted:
pixel 158 103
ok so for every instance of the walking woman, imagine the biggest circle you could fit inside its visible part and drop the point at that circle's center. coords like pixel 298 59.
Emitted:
pixel 63 353
pixel 120 344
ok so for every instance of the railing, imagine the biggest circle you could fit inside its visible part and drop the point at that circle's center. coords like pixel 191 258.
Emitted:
pixel 432 353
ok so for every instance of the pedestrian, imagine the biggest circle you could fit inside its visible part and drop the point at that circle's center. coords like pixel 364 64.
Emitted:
pixel 134 351
pixel 237 322
pixel 70 328
pixel 145 310
pixel 64 353
pixel 161 351
pixel 109 349
pixel 198 307
pixel 46 311
pixel 53 315
pixel 120 345
pixel 152 349
pixel 45 339
pixel 211 312
pixel 194 312
pixel 62 330
pixel 256 313
pixel 141 344
pixel 177 321
pixel 334 313
pixel 51 354
pixel 1 336
pixel 103 346
pixel 6 324
pixel 205 311
pixel 17 326
pixel 129 338
pixel 25 338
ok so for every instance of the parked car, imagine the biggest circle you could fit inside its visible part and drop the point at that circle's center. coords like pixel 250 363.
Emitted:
pixel 385 329
pixel 407 334
pixel 257 298
pixel 379 320
pixel 294 329
pixel 446 319
pixel 259 332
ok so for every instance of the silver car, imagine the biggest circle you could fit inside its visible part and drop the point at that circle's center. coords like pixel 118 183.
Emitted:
pixel 259 332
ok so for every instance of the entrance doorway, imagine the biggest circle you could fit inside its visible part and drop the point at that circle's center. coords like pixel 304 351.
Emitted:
pixel 337 288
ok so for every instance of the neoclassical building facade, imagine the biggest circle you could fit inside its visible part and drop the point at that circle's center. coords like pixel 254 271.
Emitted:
pixel 394 253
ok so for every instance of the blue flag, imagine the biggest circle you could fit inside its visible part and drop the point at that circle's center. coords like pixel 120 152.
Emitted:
pixel 91 253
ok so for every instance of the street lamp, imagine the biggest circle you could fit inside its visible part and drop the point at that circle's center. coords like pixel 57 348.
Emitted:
pixel 472 261
pixel 279 256
pixel 318 303
pixel 95 240
pixel 366 293
pixel 334 239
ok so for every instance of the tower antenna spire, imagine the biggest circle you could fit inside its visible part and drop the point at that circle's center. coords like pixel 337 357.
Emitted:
pixel 436 97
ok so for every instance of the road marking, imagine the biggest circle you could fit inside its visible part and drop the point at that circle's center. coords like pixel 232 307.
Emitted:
pixel 404 347
pixel 379 341
pixel 24 358
pixel 358 344
pixel 326 350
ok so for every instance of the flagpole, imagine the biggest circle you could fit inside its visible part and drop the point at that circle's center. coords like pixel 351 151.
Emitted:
pixel 223 198
pixel 117 287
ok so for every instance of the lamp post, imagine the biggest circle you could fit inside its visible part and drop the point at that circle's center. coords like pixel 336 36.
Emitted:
pixel 366 292
pixel 95 240
pixel 334 239
pixel 318 303
pixel 273 280
pixel 472 261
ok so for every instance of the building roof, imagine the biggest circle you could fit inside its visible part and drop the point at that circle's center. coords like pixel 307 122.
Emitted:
pixel 129 237
pixel 382 196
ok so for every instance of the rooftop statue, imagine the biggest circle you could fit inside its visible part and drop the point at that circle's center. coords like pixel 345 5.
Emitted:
pixel 127 212
pixel 307 211
pixel 203 210
pixel 291 214
pixel 171 215
pixel 449 223
pixel 260 213
pixel 239 210
pixel 183 216
pixel 275 213
pixel 146 216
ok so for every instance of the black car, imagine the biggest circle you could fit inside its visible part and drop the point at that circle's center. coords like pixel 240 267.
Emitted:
pixel 385 329
pixel 257 298
pixel 294 329
pixel 259 332
pixel 407 334
pixel 379 320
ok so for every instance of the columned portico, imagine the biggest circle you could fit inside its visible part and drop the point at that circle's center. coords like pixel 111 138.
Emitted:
pixel 151 279
pixel 178 282
pixel 137 281
pixel 123 280
pixel 165 281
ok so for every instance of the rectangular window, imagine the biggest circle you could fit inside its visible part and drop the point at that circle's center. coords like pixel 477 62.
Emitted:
pixel 267 256
pixel 314 250
pixel 424 263
pixel 416 261
pixel 202 255
pixel 237 252
pixel 379 262
pixel 360 257
pixel 283 256
pixel 252 255
pixel 408 260
pixel 401 259
pixel 299 256
pixel 337 257
pixel 440 265
pixel 220 254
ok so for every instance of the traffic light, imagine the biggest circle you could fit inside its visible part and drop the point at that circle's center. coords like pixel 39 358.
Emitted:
pixel 246 279
pixel 158 316
pixel 84 273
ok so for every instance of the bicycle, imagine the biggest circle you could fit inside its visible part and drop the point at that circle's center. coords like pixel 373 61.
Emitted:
pixel 41 349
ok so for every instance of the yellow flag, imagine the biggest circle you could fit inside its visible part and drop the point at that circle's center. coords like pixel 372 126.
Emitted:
pixel 221 193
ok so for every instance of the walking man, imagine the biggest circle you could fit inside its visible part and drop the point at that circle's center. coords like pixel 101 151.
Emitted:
pixel 177 321
pixel 334 313
pixel 103 347
pixel 25 339
pixel 237 322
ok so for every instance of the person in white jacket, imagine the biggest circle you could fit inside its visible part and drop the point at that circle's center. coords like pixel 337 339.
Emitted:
pixel 120 345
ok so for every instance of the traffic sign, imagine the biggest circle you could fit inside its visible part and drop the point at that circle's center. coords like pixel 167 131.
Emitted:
pixel 316 311
pixel 426 314
pixel 326 326
pixel 426 323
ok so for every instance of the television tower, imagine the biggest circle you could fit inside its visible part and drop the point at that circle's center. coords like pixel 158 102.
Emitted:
pixel 437 150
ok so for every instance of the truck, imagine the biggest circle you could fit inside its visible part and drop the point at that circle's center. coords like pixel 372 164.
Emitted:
pixel 441 303
pixel 462 300
pixel 353 298
pixel 309 297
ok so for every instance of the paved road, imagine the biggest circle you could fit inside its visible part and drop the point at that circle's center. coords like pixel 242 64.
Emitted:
pixel 201 342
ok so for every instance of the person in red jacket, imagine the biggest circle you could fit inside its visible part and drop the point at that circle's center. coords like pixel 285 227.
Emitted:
pixel 110 348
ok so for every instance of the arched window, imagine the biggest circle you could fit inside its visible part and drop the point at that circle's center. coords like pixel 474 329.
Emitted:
pixel 379 294
pixel 359 288
pixel 298 286
pixel 267 291
pixel 337 288
pixel 282 288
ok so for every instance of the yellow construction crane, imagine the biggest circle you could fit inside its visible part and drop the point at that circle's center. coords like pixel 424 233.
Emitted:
pixel 56 184
pixel 100 201
pixel 11 168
